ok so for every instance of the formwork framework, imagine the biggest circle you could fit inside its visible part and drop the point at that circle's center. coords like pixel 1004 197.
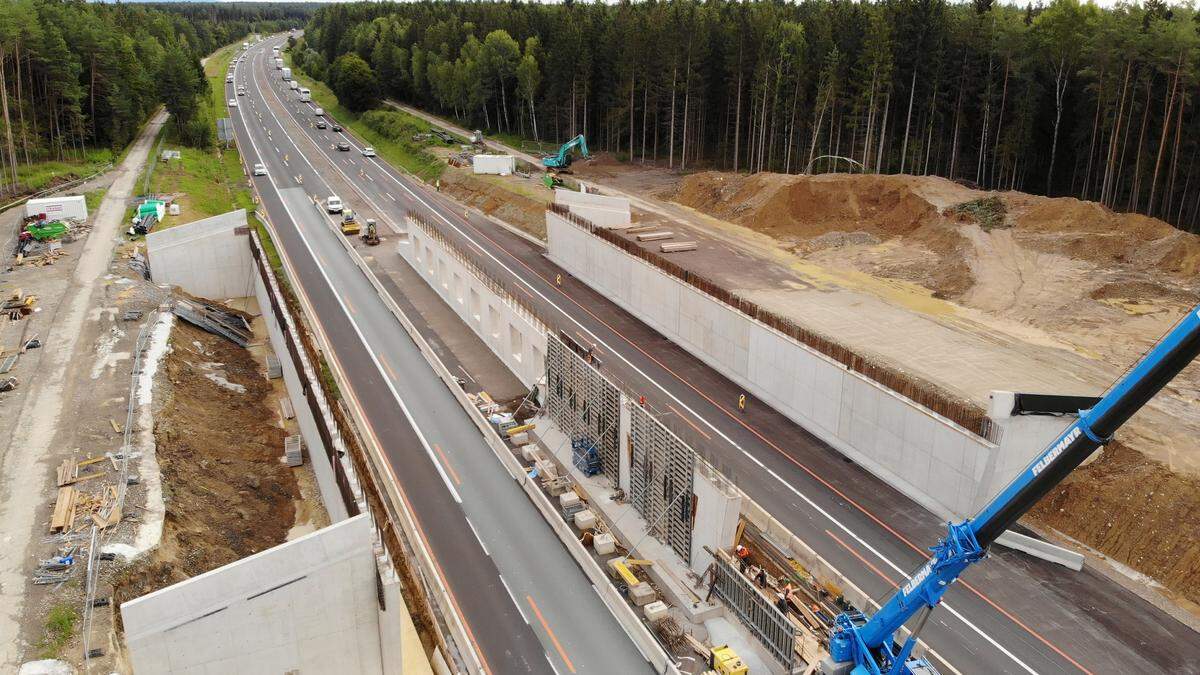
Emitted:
pixel 772 627
pixel 661 470
pixel 583 403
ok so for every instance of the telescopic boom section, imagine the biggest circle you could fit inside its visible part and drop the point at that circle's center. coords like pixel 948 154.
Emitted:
pixel 860 646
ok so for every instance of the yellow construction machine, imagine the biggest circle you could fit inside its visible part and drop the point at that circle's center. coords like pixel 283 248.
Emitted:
pixel 370 236
pixel 349 223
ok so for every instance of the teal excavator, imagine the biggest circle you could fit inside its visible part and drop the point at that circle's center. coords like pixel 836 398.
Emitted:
pixel 562 159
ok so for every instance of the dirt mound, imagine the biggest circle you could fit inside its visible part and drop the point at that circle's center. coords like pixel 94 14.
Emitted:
pixel 1091 232
pixel 796 209
pixel 227 493
pixel 811 206
pixel 525 209
pixel 1135 511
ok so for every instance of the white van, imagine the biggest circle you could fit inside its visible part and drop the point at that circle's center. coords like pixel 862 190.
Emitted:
pixel 305 94
pixel 333 204
pixel 318 111
pixel 294 84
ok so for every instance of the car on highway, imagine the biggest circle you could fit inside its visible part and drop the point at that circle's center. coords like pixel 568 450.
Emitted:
pixel 241 91
pixel 343 146
pixel 368 151
pixel 337 128
pixel 333 204
pixel 260 169
pixel 233 103
pixel 318 111
pixel 229 78
pixel 321 124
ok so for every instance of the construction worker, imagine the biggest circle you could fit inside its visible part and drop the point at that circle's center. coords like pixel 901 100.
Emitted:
pixel 743 556
pixel 742 403
pixel 558 279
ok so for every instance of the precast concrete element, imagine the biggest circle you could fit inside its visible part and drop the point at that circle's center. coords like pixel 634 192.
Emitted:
pixel 208 258
pixel 308 605
pixel 934 461
pixel 604 211
pixel 515 336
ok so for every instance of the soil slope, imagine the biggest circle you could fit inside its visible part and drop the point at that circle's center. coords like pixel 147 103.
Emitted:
pixel 228 495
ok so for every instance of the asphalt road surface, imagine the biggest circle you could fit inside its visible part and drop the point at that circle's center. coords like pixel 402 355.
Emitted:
pixel 1010 614
pixel 526 603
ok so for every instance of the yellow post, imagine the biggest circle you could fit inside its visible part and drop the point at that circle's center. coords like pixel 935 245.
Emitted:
pixel 742 403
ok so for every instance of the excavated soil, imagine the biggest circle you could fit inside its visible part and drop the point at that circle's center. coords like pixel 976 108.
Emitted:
pixel 227 492
pixel 1135 511
pixel 514 200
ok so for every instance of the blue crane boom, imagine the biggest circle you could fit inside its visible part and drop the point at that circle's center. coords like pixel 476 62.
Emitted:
pixel 867 647
pixel 562 159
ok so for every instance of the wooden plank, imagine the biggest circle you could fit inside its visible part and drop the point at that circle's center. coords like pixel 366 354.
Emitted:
pixel 116 427
pixel 64 509
pixel 285 405
pixel 91 460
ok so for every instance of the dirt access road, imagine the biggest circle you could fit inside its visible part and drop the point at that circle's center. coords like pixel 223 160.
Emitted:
pixel 24 457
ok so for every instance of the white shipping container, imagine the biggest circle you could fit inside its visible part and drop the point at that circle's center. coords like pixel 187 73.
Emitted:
pixel 502 165
pixel 74 206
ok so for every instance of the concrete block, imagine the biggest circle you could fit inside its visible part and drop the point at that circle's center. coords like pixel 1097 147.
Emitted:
pixel 520 439
pixel 568 499
pixel 642 594
pixel 655 611
pixel 531 453
pixel 585 520
pixel 604 543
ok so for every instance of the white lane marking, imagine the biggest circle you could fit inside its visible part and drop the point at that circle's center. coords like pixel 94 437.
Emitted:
pixel 333 163
pixel 512 597
pixel 477 537
pixel 374 359
pixel 389 196
pixel 670 395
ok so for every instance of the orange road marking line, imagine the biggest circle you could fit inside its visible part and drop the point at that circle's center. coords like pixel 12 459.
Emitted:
pixel 862 559
pixel 689 422
pixel 558 646
pixel 446 461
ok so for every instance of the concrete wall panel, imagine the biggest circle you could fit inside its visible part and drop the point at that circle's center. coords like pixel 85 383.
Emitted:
pixel 933 461
pixel 208 257
pixel 516 338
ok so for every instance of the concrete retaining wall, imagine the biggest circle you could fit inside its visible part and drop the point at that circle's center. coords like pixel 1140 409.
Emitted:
pixel 314 446
pixel 515 337
pixel 308 605
pixel 601 210
pixel 935 462
pixel 208 257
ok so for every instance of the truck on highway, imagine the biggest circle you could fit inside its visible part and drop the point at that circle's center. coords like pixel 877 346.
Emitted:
pixel 305 94
pixel 294 84
pixel 287 73
pixel 278 64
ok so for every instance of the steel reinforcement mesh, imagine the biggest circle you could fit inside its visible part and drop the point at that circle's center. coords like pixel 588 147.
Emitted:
pixel 771 626
pixel 583 403
pixel 660 481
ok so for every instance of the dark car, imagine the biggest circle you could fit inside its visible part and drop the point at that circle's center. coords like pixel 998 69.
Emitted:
pixel 337 127
pixel 343 146
pixel 321 124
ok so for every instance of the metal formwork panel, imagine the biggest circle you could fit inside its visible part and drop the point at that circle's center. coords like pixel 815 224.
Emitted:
pixel 771 626
pixel 661 471
pixel 582 402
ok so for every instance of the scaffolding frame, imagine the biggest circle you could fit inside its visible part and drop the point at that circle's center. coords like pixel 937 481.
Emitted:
pixel 771 626
pixel 661 467
pixel 584 403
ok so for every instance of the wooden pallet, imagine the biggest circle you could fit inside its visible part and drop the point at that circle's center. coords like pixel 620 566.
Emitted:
pixel 64 509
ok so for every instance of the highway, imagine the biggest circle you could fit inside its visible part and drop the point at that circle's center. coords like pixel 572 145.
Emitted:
pixel 525 602
pixel 1011 614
